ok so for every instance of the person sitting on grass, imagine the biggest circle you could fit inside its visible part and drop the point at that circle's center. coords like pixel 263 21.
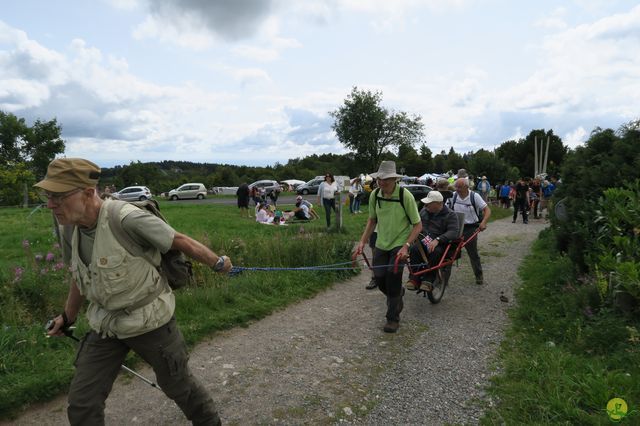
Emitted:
pixel 439 227
pixel 264 214
pixel 300 212
pixel 312 212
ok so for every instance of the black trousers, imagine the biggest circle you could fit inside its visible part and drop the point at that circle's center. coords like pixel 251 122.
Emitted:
pixel 389 283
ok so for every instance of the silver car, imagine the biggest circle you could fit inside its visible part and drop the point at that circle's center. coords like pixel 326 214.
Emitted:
pixel 133 193
pixel 188 190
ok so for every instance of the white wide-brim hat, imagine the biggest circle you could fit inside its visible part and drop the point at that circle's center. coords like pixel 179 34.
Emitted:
pixel 386 170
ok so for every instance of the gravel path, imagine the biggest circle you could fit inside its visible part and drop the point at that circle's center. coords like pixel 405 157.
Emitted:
pixel 327 361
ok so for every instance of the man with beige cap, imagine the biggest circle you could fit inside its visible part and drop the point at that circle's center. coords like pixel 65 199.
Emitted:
pixel 398 224
pixel 439 228
pixel 131 304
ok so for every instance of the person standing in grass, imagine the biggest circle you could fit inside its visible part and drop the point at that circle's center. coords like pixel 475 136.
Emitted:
pixel 398 226
pixel 327 195
pixel 131 304
pixel 243 200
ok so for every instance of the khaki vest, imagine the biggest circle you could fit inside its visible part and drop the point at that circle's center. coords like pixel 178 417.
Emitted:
pixel 116 280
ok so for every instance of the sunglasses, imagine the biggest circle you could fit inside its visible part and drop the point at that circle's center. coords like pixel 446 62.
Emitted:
pixel 56 197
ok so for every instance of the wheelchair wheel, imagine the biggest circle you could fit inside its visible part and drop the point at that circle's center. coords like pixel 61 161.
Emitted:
pixel 439 285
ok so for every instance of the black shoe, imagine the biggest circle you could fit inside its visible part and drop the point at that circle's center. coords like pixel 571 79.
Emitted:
pixel 391 326
pixel 513 221
pixel 479 281
pixel 372 284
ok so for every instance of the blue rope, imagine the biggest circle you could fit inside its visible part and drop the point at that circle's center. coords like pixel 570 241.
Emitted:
pixel 236 270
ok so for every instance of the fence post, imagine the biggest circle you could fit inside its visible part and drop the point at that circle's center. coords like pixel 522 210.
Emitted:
pixel 339 211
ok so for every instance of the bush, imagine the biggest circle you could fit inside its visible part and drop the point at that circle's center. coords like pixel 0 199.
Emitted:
pixel 607 160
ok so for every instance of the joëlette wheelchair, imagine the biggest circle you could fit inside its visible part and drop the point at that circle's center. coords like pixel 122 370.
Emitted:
pixel 451 254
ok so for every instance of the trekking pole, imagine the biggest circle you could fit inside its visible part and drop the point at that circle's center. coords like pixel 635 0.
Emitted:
pixel 69 333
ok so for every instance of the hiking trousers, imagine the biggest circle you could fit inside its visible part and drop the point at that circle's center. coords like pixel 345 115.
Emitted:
pixel 388 282
pixel 98 363
pixel 472 250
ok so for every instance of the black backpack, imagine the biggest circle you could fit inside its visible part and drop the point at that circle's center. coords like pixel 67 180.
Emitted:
pixel 399 200
pixel 173 265
pixel 480 213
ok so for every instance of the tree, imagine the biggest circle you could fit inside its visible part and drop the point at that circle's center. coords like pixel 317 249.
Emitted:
pixel 370 130
pixel 43 142
pixel 28 150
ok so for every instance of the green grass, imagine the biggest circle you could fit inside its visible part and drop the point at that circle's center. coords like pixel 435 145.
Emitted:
pixel 564 358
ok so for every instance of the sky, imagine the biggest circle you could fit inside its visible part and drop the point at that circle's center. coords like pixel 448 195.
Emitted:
pixel 252 82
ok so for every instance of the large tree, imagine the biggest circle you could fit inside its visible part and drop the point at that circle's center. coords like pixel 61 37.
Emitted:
pixel 363 125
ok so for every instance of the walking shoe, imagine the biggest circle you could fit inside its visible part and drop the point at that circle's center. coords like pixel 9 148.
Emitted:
pixel 391 326
pixel 426 286
pixel 372 284
pixel 411 285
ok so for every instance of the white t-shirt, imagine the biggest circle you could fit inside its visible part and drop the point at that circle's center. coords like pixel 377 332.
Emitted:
pixel 327 190
pixel 464 205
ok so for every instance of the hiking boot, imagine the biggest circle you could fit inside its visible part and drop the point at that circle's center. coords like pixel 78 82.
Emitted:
pixel 391 326
pixel 372 284
pixel 411 285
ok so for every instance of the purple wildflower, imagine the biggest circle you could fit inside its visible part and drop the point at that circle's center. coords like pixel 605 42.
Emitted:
pixel 51 257
pixel 44 271
pixel 17 274
pixel 38 257
pixel 58 266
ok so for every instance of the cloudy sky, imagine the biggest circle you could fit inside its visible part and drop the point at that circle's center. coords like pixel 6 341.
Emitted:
pixel 252 81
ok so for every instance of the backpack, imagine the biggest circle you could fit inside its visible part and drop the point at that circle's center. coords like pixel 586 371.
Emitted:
pixel 173 264
pixel 473 204
pixel 399 200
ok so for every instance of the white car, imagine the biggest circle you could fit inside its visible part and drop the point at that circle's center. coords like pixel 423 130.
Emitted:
pixel 188 190
pixel 133 193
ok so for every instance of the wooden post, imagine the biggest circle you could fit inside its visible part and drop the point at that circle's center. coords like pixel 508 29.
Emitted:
pixel 25 197
pixel 339 210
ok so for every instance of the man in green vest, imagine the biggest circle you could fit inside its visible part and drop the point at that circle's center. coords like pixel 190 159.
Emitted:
pixel 131 304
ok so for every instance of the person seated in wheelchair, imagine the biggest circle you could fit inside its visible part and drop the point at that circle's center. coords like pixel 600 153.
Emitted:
pixel 439 228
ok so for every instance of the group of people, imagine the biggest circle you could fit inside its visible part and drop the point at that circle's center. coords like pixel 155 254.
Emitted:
pixel 268 214
pixel 131 305
pixel 527 195
pixel 394 216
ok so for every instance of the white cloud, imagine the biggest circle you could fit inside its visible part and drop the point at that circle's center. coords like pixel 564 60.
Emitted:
pixel 576 138
pixel 555 21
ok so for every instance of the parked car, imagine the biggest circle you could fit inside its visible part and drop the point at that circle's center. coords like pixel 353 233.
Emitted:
pixel 312 186
pixel 133 193
pixel 188 190
pixel 267 185
pixel 418 191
